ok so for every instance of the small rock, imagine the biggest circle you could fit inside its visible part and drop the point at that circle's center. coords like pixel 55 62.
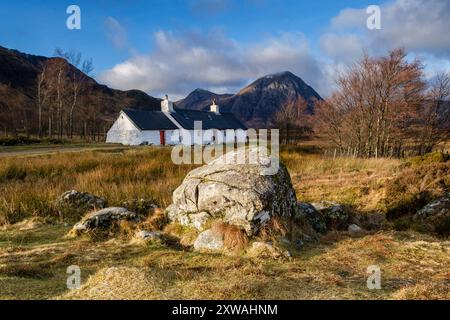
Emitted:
pixel 81 200
pixel 354 230
pixel 149 235
pixel 438 207
pixel 314 217
pixel 105 218
pixel 336 217
pixel 264 250
pixel 209 241
pixel 198 220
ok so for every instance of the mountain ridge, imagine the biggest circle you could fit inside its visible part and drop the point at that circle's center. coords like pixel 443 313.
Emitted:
pixel 257 103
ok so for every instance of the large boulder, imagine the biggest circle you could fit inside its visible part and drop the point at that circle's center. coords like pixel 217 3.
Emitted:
pixel 105 218
pixel 239 194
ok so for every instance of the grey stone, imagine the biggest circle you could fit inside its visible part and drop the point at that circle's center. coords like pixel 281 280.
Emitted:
pixel 335 215
pixel 439 207
pixel 105 218
pixel 149 235
pixel 239 194
pixel 314 217
pixel 81 200
pixel 209 241
pixel 354 230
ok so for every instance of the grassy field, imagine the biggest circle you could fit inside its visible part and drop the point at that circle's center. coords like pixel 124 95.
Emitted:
pixel 34 252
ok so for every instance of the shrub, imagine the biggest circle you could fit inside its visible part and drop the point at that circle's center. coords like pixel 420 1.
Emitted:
pixel 429 158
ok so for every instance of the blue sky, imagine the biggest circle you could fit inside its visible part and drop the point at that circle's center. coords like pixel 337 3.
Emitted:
pixel 175 46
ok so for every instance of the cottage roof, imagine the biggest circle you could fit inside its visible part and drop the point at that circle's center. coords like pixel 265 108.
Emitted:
pixel 210 120
pixel 150 120
pixel 157 120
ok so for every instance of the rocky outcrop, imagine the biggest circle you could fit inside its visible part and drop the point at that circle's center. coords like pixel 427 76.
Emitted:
pixel 80 201
pixel 238 194
pixel 105 218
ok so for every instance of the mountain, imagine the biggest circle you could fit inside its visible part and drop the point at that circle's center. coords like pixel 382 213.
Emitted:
pixel 18 91
pixel 257 103
pixel 200 99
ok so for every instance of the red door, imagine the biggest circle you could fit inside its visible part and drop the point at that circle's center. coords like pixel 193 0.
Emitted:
pixel 162 138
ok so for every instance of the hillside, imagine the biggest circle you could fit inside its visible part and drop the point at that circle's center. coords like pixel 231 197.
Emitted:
pixel 18 91
pixel 257 103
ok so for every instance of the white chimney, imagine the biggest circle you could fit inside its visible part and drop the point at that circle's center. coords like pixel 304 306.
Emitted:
pixel 214 107
pixel 167 105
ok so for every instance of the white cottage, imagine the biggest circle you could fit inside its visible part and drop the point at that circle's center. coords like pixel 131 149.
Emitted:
pixel 176 126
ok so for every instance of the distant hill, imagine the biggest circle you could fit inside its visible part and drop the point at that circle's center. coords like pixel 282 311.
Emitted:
pixel 200 99
pixel 18 91
pixel 257 103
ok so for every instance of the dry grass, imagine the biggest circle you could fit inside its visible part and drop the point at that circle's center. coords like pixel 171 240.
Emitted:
pixel 354 182
pixel 411 268
pixel 234 238
pixel 31 185
pixel 34 255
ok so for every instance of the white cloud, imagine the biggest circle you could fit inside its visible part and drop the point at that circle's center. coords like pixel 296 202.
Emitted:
pixel 180 63
pixel 342 48
pixel 349 18
pixel 420 26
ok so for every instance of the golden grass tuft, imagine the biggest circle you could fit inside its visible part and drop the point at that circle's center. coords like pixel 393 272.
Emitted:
pixel 428 291
pixel 155 221
pixel 234 238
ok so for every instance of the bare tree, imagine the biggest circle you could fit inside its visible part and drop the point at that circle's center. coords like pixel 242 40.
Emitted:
pixel 372 112
pixel 42 95
pixel 435 114
pixel 293 120
pixel 76 81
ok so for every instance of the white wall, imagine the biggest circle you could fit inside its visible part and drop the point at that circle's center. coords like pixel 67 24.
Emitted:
pixel 125 132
